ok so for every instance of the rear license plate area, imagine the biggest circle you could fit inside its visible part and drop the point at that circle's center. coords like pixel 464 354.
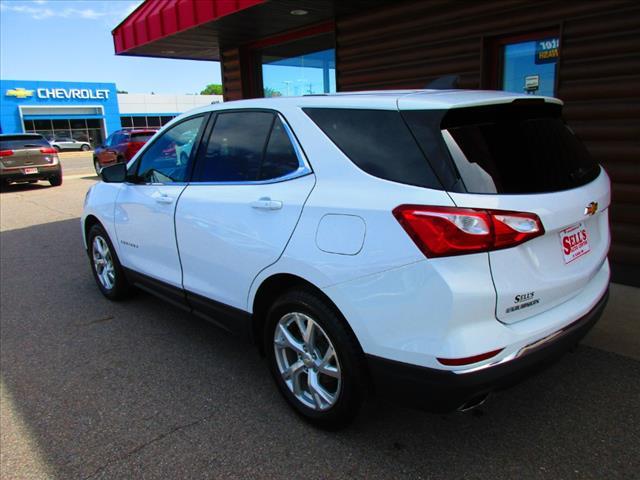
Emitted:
pixel 574 242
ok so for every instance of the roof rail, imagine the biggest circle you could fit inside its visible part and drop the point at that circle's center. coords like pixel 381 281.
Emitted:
pixel 446 82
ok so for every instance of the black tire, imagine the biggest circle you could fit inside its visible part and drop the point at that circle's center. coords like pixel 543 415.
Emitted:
pixel 85 148
pixel 96 166
pixel 349 355
pixel 56 180
pixel 121 288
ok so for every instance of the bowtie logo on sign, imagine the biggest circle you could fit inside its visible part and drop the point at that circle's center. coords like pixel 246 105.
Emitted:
pixel 19 92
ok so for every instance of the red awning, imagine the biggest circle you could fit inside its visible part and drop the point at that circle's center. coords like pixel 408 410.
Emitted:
pixel 155 20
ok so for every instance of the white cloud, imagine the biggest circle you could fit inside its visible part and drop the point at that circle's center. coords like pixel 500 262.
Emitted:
pixel 41 12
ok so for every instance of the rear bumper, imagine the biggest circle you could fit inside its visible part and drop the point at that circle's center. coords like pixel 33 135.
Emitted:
pixel 45 172
pixel 445 390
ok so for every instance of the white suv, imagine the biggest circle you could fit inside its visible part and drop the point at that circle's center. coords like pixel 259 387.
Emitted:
pixel 431 246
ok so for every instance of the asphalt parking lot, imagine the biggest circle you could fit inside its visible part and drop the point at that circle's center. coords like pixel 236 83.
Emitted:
pixel 94 389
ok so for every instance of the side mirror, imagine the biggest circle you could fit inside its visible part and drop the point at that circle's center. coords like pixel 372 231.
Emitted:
pixel 114 173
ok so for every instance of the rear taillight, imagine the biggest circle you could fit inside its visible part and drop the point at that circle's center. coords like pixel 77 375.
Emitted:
pixel 447 231
pixel 48 150
pixel 6 153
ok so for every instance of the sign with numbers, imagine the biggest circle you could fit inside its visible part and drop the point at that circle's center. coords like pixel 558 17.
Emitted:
pixel 547 50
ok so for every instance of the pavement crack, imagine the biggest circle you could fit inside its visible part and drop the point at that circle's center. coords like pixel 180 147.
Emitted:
pixel 144 445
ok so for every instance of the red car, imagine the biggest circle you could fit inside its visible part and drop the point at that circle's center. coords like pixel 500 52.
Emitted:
pixel 120 146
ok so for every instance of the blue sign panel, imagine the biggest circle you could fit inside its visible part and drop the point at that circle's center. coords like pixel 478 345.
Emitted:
pixel 49 99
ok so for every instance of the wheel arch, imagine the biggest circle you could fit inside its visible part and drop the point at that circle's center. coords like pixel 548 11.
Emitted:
pixel 274 286
pixel 89 221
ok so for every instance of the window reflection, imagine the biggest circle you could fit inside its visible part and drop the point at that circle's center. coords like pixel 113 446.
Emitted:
pixel 530 67
pixel 304 67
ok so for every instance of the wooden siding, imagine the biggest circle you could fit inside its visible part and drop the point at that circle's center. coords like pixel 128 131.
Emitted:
pixel 407 44
pixel 231 74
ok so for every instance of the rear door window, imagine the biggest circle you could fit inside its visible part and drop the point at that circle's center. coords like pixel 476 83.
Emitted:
pixel 246 147
pixel 280 157
pixel 377 141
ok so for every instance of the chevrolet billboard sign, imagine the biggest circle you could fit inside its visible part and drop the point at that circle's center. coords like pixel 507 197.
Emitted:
pixel 60 93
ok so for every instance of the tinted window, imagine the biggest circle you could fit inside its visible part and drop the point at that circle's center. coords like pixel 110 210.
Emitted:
pixel 280 158
pixel 16 142
pixel 516 149
pixel 141 137
pixel 377 141
pixel 235 148
pixel 167 158
pixel 139 121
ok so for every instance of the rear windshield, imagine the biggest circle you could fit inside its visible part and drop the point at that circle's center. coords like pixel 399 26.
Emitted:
pixel 141 137
pixel 377 141
pixel 512 148
pixel 16 142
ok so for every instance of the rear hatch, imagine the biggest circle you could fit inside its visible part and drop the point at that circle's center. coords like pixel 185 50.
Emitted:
pixel 521 157
pixel 25 151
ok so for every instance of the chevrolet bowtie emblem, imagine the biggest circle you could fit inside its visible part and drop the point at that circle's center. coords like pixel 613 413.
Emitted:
pixel 19 92
pixel 591 209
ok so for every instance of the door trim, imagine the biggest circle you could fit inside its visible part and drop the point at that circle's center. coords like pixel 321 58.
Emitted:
pixel 233 320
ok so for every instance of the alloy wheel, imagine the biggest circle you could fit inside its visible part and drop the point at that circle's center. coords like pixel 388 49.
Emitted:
pixel 307 361
pixel 103 262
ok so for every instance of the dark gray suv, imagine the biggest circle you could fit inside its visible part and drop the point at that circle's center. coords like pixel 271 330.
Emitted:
pixel 27 158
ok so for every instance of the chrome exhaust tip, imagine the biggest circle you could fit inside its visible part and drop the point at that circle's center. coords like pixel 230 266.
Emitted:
pixel 475 402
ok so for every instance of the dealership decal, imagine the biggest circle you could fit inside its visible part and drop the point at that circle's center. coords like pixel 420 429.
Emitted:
pixel 530 303
pixel 61 93
pixel 575 242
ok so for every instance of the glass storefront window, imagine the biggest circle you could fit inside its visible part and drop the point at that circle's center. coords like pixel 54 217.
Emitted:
pixel 530 66
pixel 301 67
pixel 82 129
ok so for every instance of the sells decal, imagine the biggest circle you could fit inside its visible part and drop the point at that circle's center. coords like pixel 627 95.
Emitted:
pixel 60 93
pixel 547 50
pixel 523 300
pixel 575 242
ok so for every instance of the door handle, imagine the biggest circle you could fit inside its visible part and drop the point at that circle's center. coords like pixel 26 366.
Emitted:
pixel 266 203
pixel 164 198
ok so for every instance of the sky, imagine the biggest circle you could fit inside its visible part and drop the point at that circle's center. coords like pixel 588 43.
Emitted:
pixel 70 40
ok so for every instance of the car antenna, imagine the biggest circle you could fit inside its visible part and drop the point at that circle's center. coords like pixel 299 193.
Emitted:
pixel 445 82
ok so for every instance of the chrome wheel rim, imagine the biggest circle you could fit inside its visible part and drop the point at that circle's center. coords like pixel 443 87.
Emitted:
pixel 307 361
pixel 103 263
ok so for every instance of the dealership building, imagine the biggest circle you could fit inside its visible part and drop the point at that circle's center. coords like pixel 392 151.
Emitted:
pixel 86 111
pixel 585 53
